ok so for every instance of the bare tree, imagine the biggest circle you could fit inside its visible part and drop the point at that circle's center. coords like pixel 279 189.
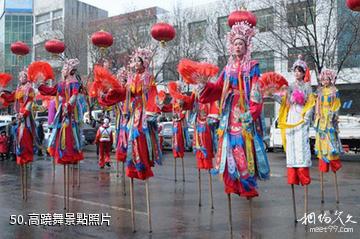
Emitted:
pixel 313 28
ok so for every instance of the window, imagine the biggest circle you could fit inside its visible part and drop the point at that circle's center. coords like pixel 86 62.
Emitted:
pixel 57 13
pixel 223 26
pixel 300 13
pixel 197 31
pixel 57 24
pixel 265 59
pixel 306 52
pixel 142 31
pixel 265 19
pixel 42 27
pixel 43 17
pixel 169 71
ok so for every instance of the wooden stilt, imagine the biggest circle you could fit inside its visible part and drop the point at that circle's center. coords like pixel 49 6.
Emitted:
pixel 73 174
pixel 211 192
pixel 117 168
pixel 250 218
pixel 22 181
pixel 148 204
pixel 306 202
pixel 336 188
pixel 68 187
pixel 199 186
pixel 294 203
pixel 64 186
pixel 230 217
pixel 175 169
pixel 322 186
pixel 132 204
pixel 53 169
pixel 183 169
pixel 123 180
pixel 78 174
pixel 25 180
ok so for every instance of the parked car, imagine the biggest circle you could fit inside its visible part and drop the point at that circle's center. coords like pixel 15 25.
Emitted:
pixel 167 133
pixel 89 133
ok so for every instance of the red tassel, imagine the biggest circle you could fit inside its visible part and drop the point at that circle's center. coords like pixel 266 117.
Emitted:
pixel 39 69
pixel 4 79
pixel 307 77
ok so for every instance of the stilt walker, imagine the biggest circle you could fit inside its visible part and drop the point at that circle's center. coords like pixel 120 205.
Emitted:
pixel 102 75
pixel 139 93
pixel 202 141
pixel 26 138
pixel 294 121
pixel 65 140
pixel 180 140
pixel 241 156
pixel 327 142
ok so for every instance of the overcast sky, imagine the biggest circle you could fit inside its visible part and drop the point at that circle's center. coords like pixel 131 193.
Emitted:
pixel 116 7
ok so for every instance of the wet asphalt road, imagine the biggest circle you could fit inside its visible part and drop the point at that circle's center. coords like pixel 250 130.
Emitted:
pixel 175 210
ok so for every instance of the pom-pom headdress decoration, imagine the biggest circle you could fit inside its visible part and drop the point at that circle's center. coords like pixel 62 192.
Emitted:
pixel 328 73
pixel 301 63
pixel 245 32
pixel 4 79
pixel 40 69
pixel 145 54
pixel 23 77
pixel 69 65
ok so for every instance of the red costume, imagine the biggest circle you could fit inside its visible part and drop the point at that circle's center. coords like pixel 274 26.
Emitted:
pixel 104 137
pixel 25 133
pixel 138 96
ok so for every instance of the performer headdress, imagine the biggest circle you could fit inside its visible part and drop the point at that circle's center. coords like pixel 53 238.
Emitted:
pixel 243 31
pixel 145 54
pixel 69 65
pixel 302 64
pixel 328 73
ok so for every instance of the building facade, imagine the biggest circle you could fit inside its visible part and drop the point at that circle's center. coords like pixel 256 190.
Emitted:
pixel 66 20
pixel 16 24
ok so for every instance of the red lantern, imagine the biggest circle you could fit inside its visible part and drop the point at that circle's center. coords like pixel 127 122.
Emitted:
pixel 353 5
pixel 102 39
pixel 242 16
pixel 163 32
pixel 55 46
pixel 19 48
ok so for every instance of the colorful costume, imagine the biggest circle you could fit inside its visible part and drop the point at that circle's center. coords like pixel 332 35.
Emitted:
pixel 139 97
pixel 25 139
pixel 294 121
pixel 203 141
pixel 327 142
pixel 241 157
pixel 104 137
pixel 65 141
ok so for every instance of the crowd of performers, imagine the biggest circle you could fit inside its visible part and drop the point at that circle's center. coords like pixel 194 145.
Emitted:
pixel 226 115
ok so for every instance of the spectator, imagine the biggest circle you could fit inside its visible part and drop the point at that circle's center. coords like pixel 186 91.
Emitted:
pixel 41 135
pixel 3 145
pixel 11 132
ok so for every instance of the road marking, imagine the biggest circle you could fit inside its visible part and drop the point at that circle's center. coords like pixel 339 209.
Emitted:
pixel 89 202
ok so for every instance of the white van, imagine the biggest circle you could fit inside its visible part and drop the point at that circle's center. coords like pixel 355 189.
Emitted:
pixel 6 119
